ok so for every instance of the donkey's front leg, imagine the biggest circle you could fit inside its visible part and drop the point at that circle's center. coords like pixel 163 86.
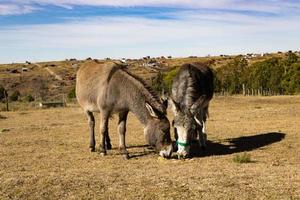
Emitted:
pixel 103 131
pixel 122 131
pixel 202 136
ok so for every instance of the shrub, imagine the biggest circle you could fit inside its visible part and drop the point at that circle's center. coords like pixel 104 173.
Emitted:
pixel 15 96
pixel 2 90
pixel 72 94
pixel 244 158
pixel 158 83
pixel 28 98
pixel 169 76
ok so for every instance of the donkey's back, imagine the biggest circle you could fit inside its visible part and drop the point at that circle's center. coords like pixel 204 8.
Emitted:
pixel 92 83
pixel 192 81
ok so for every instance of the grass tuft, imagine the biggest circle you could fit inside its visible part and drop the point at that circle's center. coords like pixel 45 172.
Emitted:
pixel 4 130
pixel 243 158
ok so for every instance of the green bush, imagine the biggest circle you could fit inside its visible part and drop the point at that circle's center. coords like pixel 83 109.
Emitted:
pixel 168 78
pixel 28 98
pixel 72 93
pixel 291 58
pixel 15 96
pixel 2 90
pixel 244 158
pixel 157 83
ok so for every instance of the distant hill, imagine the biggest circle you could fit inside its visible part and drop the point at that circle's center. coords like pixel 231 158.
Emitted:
pixel 50 80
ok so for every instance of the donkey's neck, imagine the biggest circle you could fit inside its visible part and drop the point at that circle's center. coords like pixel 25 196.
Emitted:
pixel 138 93
pixel 138 108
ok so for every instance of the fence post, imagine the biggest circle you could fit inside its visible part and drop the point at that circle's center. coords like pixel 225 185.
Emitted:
pixel 64 100
pixel 244 90
pixel 6 99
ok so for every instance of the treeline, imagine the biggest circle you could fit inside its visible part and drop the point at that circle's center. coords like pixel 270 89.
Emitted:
pixel 273 76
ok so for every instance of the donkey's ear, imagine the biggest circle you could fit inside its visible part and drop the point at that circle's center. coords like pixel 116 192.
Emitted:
pixel 198 120
pixel 151 111
pixel 174 106
pixel 201 102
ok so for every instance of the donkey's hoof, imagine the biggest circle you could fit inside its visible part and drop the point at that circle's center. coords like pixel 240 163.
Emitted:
pixel 108 147
pixel 102 154
pixel 126 156
pixel 92 149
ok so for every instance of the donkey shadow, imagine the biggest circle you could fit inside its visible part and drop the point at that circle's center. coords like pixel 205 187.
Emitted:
pixel 236 145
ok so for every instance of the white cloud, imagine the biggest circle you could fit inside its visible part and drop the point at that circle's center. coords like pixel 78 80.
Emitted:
pixel 193 34
pixel 14 9
pixel 253 5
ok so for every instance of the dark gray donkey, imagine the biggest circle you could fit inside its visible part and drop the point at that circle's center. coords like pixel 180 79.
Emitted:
pixel 192 89
pixel 109 88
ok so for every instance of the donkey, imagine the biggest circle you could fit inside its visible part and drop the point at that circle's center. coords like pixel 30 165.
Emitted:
pixel 192 89
pixel 109 88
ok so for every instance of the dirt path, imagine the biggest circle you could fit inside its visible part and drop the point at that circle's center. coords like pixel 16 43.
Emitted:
pixel 56 76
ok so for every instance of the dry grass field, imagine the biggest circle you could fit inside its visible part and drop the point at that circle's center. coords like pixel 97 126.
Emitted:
pixel 44 154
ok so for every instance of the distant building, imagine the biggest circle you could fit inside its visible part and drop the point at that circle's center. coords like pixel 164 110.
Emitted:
pixel 24 69
pixel 123 60
pixel 252 55
pixel 75 65
pixel 224 56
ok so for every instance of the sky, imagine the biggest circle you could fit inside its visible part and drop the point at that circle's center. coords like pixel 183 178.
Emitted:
pixel 46 30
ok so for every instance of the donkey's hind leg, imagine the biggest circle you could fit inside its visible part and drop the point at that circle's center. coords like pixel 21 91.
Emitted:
pixel 122 131
pixel 107 142
pixel 91 121
pixel 104 117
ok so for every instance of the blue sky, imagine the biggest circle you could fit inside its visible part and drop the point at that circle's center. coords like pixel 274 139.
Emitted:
pixel 42 30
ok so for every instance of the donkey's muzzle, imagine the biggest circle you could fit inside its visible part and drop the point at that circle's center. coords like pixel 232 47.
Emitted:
pixel 166 152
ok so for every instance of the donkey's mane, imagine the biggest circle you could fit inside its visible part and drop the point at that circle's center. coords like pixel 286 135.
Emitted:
pixel 186 85
pixel 146 90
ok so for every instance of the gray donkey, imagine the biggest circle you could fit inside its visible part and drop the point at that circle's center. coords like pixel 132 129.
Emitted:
pixel 109 88
pixel 192 89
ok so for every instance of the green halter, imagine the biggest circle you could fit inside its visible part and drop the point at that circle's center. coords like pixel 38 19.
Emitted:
pixel 182 143
pixel 185 144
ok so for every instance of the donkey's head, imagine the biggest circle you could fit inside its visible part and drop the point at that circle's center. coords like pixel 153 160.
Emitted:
pixel 185 127
pixel 157 132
